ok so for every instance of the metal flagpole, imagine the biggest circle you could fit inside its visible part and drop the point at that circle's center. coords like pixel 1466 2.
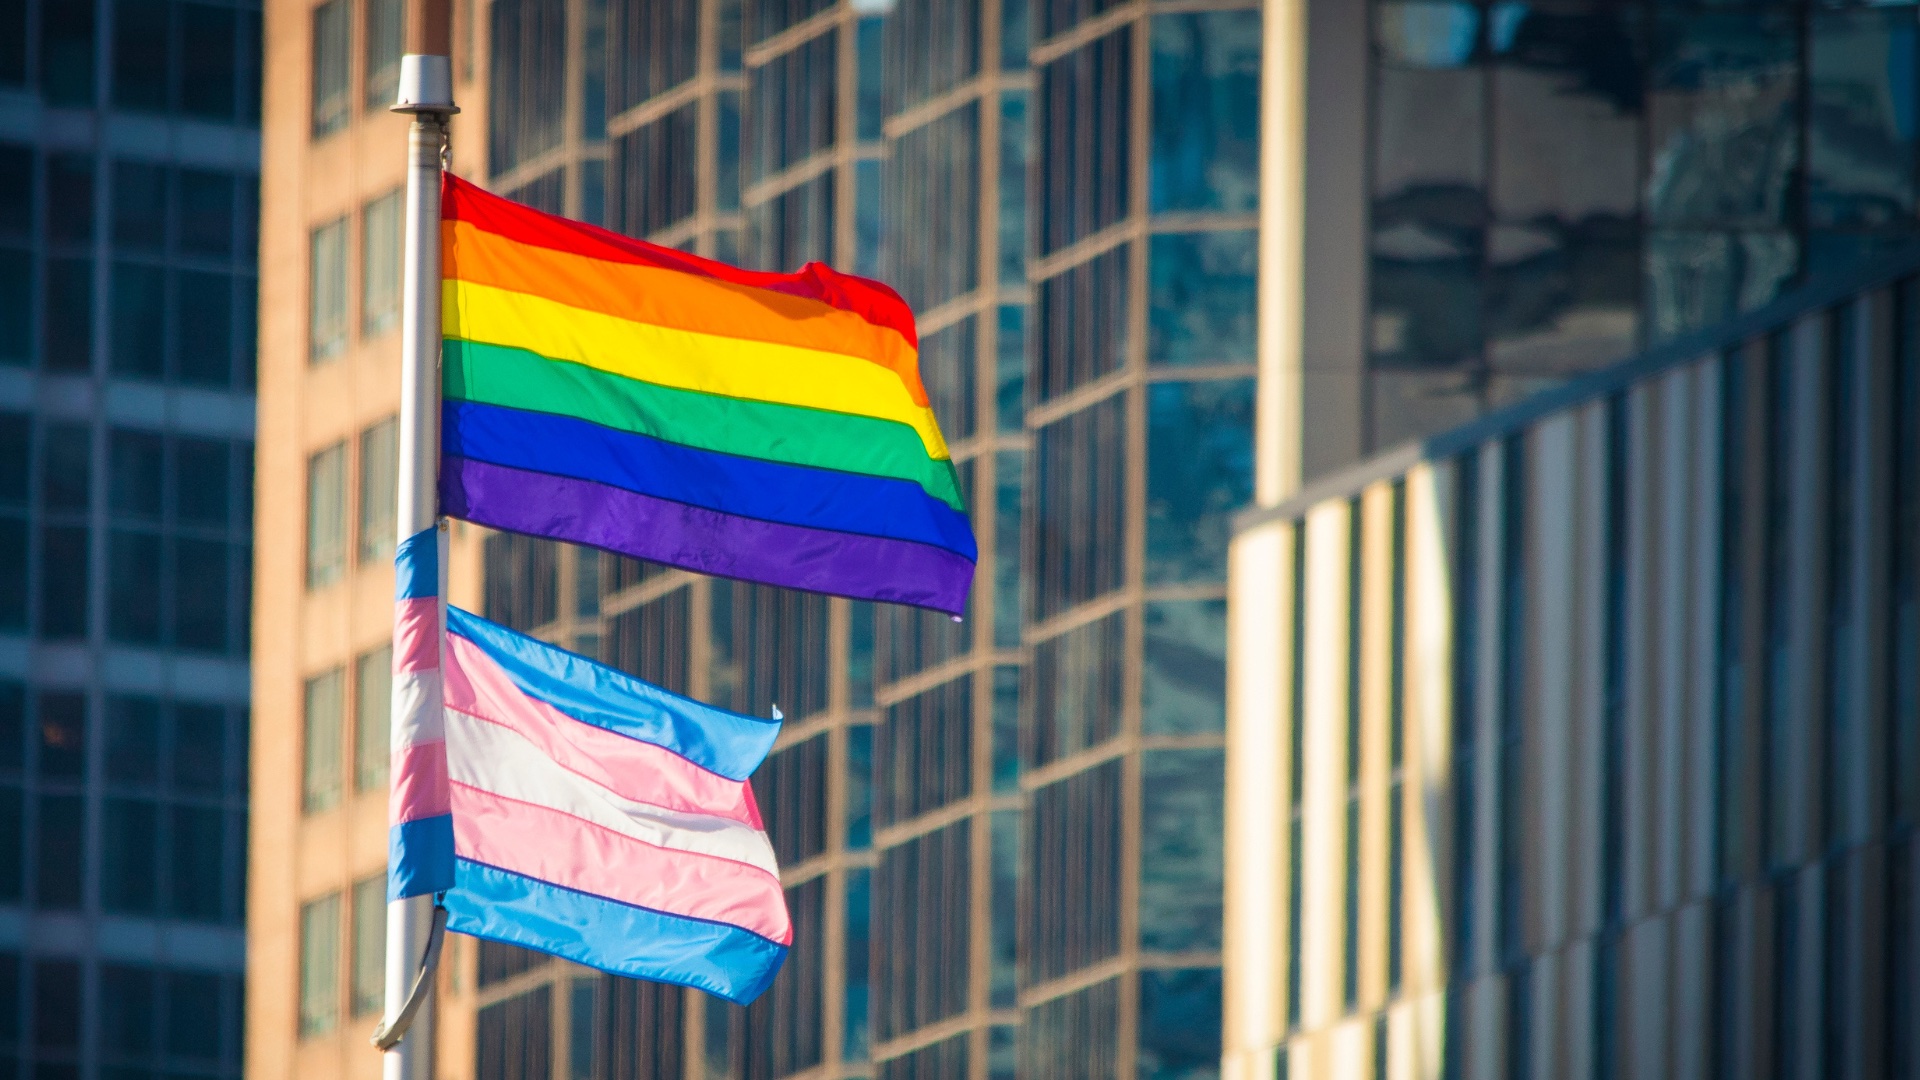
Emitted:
pixel 426 91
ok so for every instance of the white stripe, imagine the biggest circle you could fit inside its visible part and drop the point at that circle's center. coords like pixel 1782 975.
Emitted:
pixel 417 713
pixel 496 759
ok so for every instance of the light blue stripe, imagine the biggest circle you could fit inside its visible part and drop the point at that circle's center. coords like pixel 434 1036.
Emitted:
pixel 721 742
pixel 420 857
pixel 416 566
pixel 723 960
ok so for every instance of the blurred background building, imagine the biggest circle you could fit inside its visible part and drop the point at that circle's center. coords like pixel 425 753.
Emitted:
pixel 1582 739
pixel 1003 837
pixel 129 163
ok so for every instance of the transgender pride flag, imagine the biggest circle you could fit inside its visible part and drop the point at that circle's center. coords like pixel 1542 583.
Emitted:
pixel 600 818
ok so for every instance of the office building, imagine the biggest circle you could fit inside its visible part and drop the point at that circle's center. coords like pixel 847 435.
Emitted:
pixel 129 161
pixel 1000 835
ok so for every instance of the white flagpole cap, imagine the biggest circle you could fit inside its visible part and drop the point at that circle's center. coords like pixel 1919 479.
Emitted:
pixel 426 85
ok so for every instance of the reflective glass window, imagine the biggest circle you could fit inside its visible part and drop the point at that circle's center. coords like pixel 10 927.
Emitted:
pixel 140 70
pixel 1008 481
pixel 1725 102
pixel 1200 297
pixel 1081 324
pixel 856 1035
pixel 367 980
pixel 379 483
pixel 1179 1023
pixel 203 327
pixel 949 367
pixel 1206 112
pixel 1083 135
pixel 656 47
pixel 922 921
pixel 66 53
pixel 63 848
pixel 1072 922
pixel 194 880
pixel 138 316
pixel 1182 819
pixel 1078 508
pixel 16 307
pixel 794 227
pixel 527 113
pixel 380 256
pixel 1199 473
pixel 372 718
pixel 1078 690
pixel 656 173
pixel 319 966
pixel 332 66
pixel 327 289
pixel 932 47
pixel 1860 119
pixel 933 192
pixel 1184 674
pixel 792 105
pixel 63 580
pixel 67 318
pixel 322 731
pixel 327 515
pixel 385 39
pixel 923 752
pixel 1015 149
pixel 209 35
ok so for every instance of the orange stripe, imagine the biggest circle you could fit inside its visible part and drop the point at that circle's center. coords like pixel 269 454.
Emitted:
pixel 672 299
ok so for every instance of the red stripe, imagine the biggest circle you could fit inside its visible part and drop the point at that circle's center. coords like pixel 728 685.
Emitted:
pixel 871 300
pixel 561 849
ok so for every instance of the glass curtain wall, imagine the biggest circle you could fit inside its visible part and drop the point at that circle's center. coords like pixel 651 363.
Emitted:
pixel 1557 185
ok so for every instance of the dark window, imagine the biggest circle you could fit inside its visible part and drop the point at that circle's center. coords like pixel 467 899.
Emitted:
pixel 656 172
pixel 1787 983
pixel 923 752
pixel 56 1004
pixel 1782 751
pixel 932 46
pixel 1077 691
pixel 67 318
pixel 332 66
pixel 650 641
pixel 1179 1023
pixel 1513 801
pixel 1085 140
pixel 138 313
pixel 791 790
pixel 527 112
pixel 1182 868
pixel 1184 670
pixel 66 52
pixel 141 39
pixel 932 183
pixel 794 227
pixel 1072 1037
pixel 62 851
pixel 209 75
pixel 655 48
pixel 513 1039
pixel 1079 508
pixel 1903 592
pixel 1466 711
pixel 792 101
pixel 1206 112
pixel 63 582
pixel 129 868
pixel 922 927
pixel 522 580
pixel 385 42
pixel 1199 474
pixel 140 205
pixel 498 961
pixel 769 648
pixel 1004 901
pixel 1081 328
pixel 1073 846
pixel 857 972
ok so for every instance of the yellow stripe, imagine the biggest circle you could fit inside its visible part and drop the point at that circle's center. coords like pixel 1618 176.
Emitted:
pixel 685 359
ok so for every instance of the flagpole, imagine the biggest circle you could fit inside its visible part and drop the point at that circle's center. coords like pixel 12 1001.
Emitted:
pixel 426 91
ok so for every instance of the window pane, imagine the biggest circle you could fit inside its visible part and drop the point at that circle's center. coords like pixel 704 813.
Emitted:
pixel 16 307
pixel 326 516
pixel 1206 112
pixel 380 257
pixel 319 965
pixel 129 839
pixel 133 742
pixel 140 36
pixel 656 175
pixel 133 587
pixel 327 299
pixel 201 583
pixel 332 44
pixel 321 772
pixel 369 945
pixel 1200 298
pixel 13 821
pixel 193 1027
pixel 68 315
pixel 13 43
pixel 66 53
pixel 206 212
pixel 1184 678
pixel 203 327
pixel 1182 818
pixel 933 199
pixel 373 707
pixel 202 477
pixel 63 849
pixel 1073 922
pixel 1078 690
pixel 199 749
pixel 386 34
pixel 139 333
pixel 379 477
pixel 62 728
pixel 921 927
pixel 1082 324
pixel 135 461
pixel 1083 135
pixel 208 86
pixel 1724 111
pixel 196 879
pixel 1860 139
pixel 1179 1024
pixel 1078 519
pixel 140 206
pixel 1015 145
pixel 63 582
pixel 127 1010
pixel 1199 473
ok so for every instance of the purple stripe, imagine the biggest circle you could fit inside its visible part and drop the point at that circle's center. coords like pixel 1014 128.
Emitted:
pixel 707 541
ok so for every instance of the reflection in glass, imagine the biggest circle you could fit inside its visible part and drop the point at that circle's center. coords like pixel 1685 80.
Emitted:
pixel 1007 473
pixel 1206 112
pixel 1199 472
pixel 1181 820
pixel 1428 33
pixel 1200 297
pixel 858 963
pixel 1725 139
pixel 1004 977
pixel 1695 278
pixel 1567 105
pixel 1014 151
pixel 1010 369
pixel 1179 1024
pixel 1077 692
pixel 1562 297
pixel 1860 118
pixel 1184 673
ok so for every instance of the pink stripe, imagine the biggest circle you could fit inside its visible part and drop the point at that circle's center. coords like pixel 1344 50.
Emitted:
pixel 632 769
pixel 564 850
pixel 416 634
pixel 419 787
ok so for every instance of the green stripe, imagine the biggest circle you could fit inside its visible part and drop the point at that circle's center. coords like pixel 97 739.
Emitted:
pixel 518 379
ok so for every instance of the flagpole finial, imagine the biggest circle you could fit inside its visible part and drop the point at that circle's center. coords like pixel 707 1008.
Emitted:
pixel 426 85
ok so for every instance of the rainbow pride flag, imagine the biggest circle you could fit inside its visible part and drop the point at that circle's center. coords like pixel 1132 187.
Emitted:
pixel 768 427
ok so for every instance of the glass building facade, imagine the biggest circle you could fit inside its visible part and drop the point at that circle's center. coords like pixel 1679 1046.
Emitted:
pixel 1001 835
pixel 1552 186
pixel 129 166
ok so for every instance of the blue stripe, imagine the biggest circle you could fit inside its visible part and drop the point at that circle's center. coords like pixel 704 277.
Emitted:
pixel 767 490
pixel 420 857
pixel 416 566
pixel 723 960
pixel 721 742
